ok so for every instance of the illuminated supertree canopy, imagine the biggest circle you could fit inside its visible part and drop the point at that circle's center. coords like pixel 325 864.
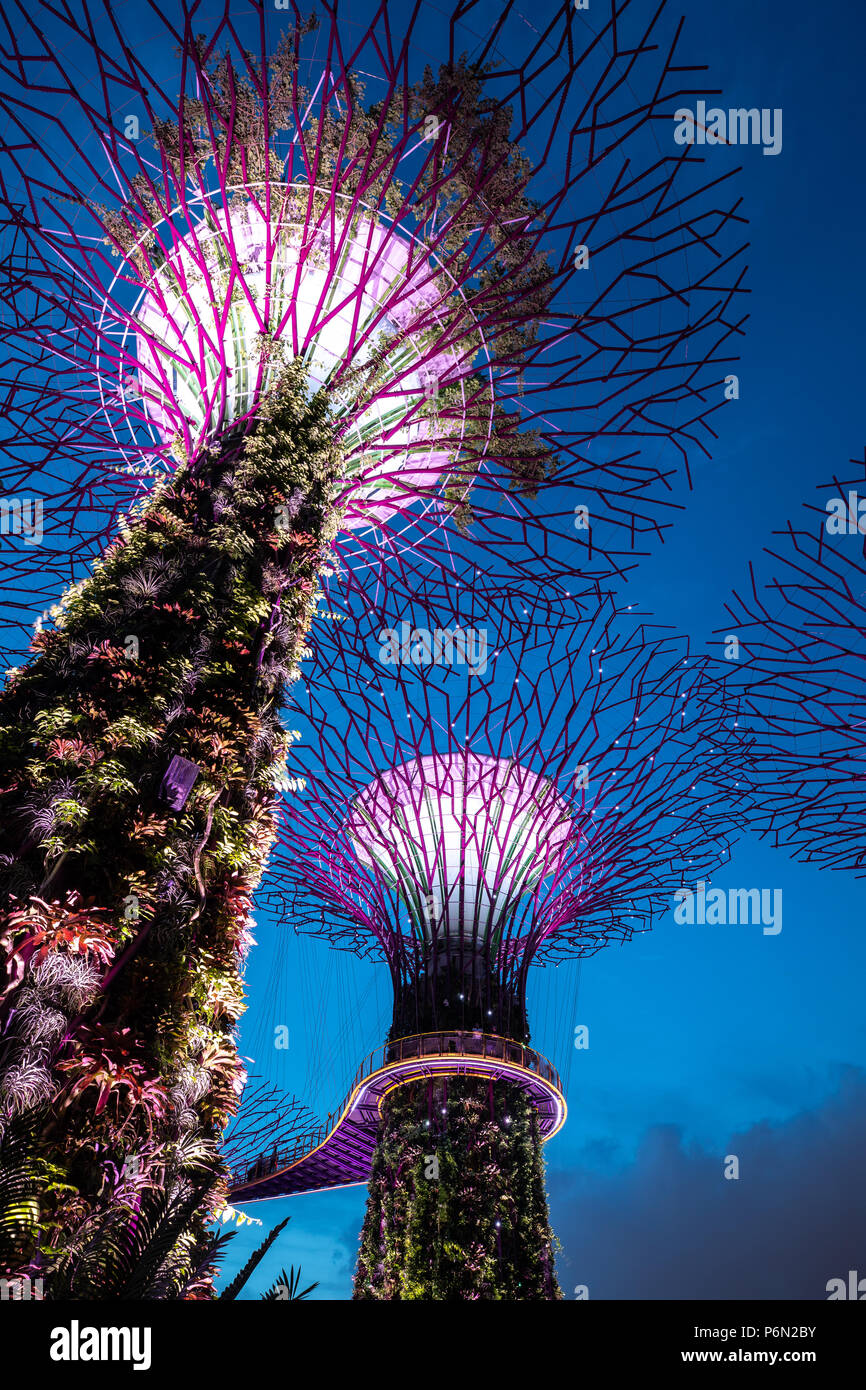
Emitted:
pixel 564 796
pixel 460 828
pixel 484 831
pixel 801 626
pixel 174 241
pixel 289 316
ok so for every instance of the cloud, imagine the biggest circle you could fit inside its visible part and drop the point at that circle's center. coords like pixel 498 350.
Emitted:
pixel 670 1226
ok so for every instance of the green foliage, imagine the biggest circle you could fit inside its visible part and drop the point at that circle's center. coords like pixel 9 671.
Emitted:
pixel 140 1250
pixel 215 576
pixel 24 1175
pixel 457 1208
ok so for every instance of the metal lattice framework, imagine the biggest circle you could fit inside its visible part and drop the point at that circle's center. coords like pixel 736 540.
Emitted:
pixel 462 826
pixel 803 629
pixel 395 239
pixel 266 1117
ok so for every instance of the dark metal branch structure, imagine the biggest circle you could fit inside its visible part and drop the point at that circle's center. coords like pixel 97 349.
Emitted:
pixel 802 626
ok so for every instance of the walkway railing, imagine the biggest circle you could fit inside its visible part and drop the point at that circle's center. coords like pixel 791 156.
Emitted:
pixel 455 1044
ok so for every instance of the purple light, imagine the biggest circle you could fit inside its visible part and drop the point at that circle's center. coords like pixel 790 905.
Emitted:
pixel 179 780
pixel 240 295
pixel 461 837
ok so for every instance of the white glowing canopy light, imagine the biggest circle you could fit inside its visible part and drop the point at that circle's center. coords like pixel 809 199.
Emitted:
pixel 462 838
pixel 236 277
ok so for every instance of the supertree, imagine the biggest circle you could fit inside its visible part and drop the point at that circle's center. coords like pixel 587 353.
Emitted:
pixel 800 629
pixel 246 314
pixel 173 239
pixel 460 828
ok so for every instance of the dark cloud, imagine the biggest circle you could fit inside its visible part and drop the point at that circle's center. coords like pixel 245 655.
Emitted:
pixel 670 1226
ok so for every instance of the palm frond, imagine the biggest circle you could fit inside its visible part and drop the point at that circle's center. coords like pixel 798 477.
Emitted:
pixel 285 1289
pixel 122 1253
pixel 233 1289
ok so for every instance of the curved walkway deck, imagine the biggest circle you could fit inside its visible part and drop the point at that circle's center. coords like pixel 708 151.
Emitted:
pixel 340 1153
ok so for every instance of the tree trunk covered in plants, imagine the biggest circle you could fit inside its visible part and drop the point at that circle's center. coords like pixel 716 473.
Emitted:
pixel 125 908
pixel 457 1207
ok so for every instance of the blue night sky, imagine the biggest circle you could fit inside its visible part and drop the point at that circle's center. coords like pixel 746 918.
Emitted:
pixel 704 1041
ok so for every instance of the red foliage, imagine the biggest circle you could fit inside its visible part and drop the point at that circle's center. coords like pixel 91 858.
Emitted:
pixel 73 750
pixel 29 934
pixel 109 1064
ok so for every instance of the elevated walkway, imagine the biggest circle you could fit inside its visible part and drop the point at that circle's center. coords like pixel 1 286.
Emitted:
pixel 340 1153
